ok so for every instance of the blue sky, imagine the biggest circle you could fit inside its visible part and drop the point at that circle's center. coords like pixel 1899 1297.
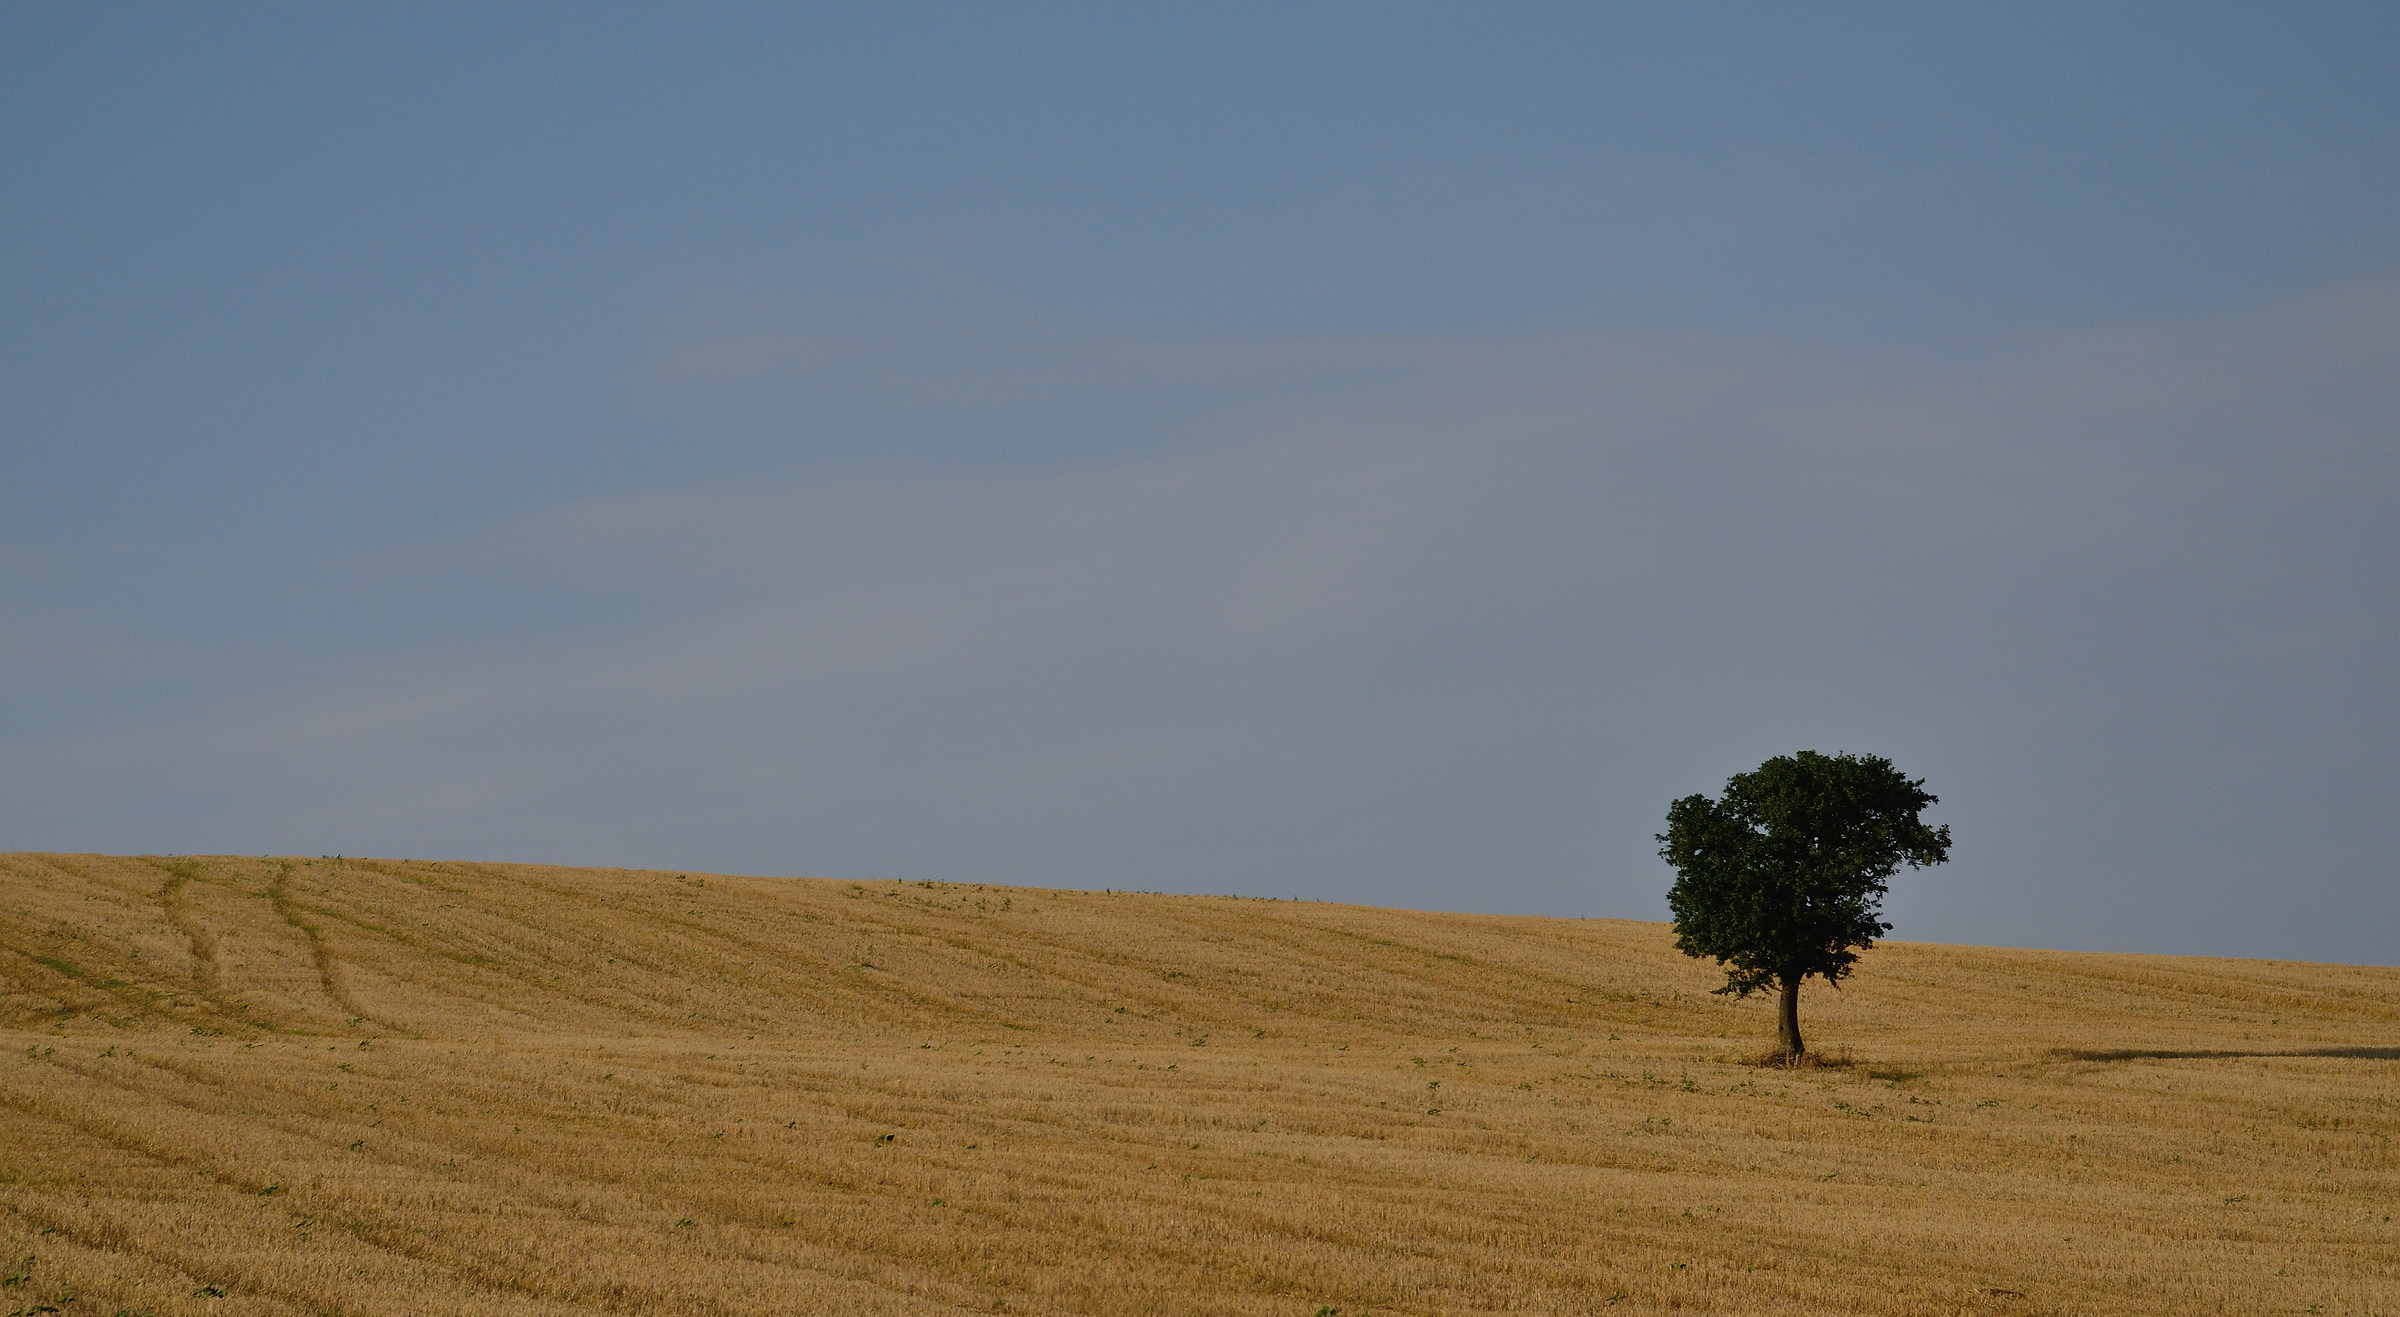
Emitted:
pixel 1379 453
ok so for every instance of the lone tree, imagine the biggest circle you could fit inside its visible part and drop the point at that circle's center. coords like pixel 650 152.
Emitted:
pixel 1785 876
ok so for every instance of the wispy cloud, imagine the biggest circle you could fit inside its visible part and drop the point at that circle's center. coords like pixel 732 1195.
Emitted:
pixel 1425 619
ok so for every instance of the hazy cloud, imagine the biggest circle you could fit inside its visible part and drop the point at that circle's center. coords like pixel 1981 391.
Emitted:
pixel 1422 622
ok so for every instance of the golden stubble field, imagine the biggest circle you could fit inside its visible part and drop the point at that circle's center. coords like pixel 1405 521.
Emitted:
pixel 285 1086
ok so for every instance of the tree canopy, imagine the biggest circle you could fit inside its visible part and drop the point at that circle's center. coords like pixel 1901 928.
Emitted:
pixel 1784 877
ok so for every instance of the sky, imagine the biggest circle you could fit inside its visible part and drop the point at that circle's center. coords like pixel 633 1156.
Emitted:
pixel 1377 453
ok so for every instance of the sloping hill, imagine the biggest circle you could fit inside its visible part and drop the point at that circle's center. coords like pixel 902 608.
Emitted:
pixel 300 1086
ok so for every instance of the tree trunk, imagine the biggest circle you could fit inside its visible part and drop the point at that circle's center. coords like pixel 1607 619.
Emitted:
pixel 1787 1020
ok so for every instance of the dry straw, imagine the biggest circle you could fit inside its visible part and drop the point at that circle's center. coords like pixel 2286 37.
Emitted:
pixel 258 1086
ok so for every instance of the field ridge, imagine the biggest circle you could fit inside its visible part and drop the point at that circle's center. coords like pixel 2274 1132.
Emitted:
pixel 300 1085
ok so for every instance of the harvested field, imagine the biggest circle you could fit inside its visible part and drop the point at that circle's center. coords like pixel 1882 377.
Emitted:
pixel 283 1086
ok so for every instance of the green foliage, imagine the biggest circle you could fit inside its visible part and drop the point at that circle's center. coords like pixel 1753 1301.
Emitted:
pixel 1785 876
